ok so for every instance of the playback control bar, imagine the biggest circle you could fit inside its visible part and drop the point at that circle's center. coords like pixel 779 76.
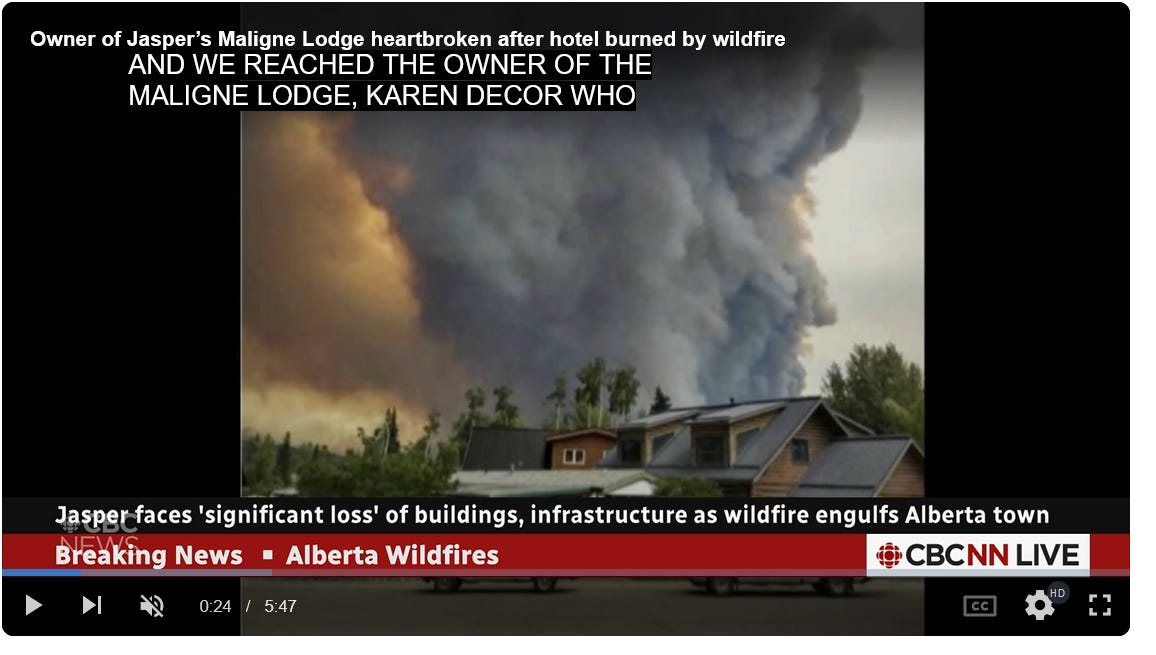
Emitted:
pixel 186 606
pixel 122 606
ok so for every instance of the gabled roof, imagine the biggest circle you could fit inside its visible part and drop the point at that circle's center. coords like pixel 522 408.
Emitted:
pixel 771 439
pixel 857 466
pixel 577 433
pixel 674 458
pixel 503 448
pixel 758 451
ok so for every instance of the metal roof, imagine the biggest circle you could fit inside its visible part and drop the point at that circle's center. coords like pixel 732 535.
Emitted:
pixel 771 438
pixel 503 448
pixel 854 466
pixel 761 447
pixel 659 419
pixel 578 433
pixel 861 463
pixel 674 458
pixel 736 413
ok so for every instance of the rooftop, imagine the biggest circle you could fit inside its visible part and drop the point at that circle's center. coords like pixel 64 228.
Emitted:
pixel 546 482
pixel 501 448
pixel 733 413
pixel 659 419
pixel 853 467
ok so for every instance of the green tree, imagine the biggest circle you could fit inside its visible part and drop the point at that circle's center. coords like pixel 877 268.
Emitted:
pixel 413 470
pixel 585 415
pixel 661 402
pixel 365 473
pixel 388 432
pixel 622 386
pixel 372 446
pixel 557 400
pixel 505 411
pixel 429 431
pixel 879 388
pixel 474 416
pixel 688 488
pixel 260 465
pixel 285 461
pixel 591 379
pixel 318 476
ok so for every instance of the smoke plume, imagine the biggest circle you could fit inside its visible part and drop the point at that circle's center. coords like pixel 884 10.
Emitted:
pixel 397 258
pixel 330 325
pixel 673 238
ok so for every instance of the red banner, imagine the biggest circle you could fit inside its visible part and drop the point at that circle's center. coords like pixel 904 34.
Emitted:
pixel 468 554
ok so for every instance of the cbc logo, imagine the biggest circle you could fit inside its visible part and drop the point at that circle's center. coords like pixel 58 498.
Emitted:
pixel 889 555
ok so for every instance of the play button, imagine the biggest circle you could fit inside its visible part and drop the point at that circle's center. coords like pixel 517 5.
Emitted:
pixel 87 605
pixel 30 605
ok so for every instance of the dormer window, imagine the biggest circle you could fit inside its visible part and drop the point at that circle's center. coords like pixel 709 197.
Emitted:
pixel 709 451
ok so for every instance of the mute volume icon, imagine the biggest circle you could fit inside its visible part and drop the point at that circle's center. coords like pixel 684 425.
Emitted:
pixel 152 605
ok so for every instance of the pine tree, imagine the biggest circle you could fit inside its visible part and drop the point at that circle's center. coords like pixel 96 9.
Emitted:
pixel 661 402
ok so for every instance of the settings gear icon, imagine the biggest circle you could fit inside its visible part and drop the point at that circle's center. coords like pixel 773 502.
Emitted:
pixel 1034 609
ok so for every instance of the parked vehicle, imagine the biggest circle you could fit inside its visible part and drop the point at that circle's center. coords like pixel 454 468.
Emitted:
pixel 446 585
pixel 836 587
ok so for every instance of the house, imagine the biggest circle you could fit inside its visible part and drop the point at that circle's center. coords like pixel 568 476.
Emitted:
pixel 493 449
pixel 580 449
pixel 778 447
pixel 554 483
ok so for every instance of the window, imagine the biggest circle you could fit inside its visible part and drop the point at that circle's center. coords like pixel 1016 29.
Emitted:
pixel 573 456
pixel 630 451
pixel 799 451
pixel 708 451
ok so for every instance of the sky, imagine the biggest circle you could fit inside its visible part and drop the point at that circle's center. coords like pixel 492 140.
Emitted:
pixel 868 225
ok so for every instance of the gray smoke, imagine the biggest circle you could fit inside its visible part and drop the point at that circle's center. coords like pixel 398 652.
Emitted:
pixel 673 238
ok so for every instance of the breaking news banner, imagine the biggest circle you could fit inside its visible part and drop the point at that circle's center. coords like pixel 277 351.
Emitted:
pixel 567 537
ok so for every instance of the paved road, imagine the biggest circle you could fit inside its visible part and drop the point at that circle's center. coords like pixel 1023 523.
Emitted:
pixel 596 606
